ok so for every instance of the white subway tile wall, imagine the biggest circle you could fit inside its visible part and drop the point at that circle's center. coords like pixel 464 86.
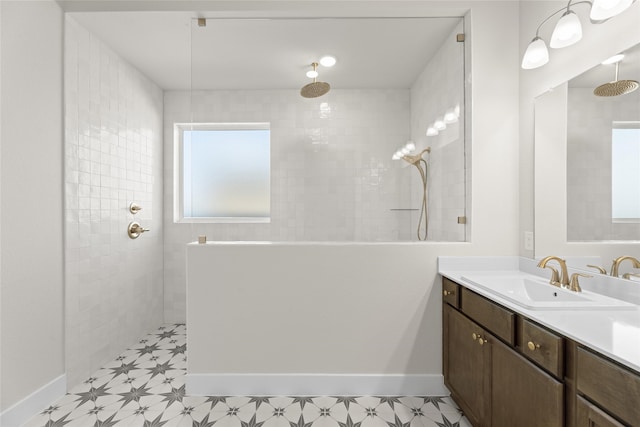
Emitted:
pixel 589 123
pixel 332 177
pixel 113 156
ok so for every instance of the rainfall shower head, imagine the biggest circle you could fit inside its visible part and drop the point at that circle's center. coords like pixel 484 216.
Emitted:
pixel 315 89
pixel 616 87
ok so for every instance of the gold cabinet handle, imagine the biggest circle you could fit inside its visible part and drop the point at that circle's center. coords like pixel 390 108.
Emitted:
pixel 533 346
pixel 475 336
pixel 447 293
pixel 482 341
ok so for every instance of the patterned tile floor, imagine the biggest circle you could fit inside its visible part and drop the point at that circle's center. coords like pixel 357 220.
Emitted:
pixel 144 387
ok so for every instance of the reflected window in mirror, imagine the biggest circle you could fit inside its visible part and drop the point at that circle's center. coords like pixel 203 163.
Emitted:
pixel 625 158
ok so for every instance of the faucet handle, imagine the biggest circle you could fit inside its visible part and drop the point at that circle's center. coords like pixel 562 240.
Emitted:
pixel 555 276
pixel 573 282
pixel 628 276
pixel 601 270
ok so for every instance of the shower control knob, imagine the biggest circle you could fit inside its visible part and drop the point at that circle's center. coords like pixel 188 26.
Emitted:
pixel 135 230
pixel 134 208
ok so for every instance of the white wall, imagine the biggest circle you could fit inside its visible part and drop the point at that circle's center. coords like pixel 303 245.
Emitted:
pixel 598 43
pixel 342 310
pixel 113 156
pixel 32 336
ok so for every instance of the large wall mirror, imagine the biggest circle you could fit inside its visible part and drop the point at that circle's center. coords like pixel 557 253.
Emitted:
pixel 587 167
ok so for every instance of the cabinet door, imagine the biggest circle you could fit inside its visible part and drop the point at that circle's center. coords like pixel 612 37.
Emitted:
pixel 467 365
pixel 522 394
pixel 589 415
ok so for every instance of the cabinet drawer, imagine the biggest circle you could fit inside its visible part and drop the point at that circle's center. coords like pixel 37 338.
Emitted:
pixel 499 321
pixel 610 386
pixel 542 346
pixel 589 415
pixel 450 292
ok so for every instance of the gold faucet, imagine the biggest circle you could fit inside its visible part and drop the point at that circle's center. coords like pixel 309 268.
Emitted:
pixel 573 282
pixel 617 261
pixel 563 280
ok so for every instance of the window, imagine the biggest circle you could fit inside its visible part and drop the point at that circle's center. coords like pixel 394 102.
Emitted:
pixel 625 172
pixel 223 172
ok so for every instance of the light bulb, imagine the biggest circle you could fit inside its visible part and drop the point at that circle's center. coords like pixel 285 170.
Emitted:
pixel 568 31
pixel 431 131
pixel 312 74
pixel 439 124
pixel 536 54
pixel 328 61
pixel 601 10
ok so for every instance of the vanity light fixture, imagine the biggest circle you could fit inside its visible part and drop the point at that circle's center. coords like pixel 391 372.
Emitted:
pixel 431 131
pixel 568 29
pixel 601 10
pixel 450 116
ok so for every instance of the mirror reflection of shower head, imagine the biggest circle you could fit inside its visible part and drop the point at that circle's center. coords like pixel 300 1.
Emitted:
pixel 616 87
pixel 316 88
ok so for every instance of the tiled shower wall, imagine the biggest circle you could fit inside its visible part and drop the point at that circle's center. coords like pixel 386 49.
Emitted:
pixel 331 170
pixel 589 120
pixel 439 88
pixel 113 156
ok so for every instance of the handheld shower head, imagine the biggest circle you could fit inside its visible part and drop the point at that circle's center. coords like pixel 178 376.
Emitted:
pixel 416 157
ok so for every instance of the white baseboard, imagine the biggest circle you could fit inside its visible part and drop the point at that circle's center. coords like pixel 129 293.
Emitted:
pixel 30 406
pixel 314 385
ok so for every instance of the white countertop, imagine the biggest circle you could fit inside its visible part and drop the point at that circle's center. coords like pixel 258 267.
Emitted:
pixel 615 334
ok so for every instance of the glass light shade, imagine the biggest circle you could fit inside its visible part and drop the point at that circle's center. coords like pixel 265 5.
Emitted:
pixel 395 156
pixel 605 9
pixel 405 151
pixel 431 131
pixel 410 146
pixel 450 116
pixel 312 74
pixel 328 61
pixel 536 55
pixel 439 124
pixel 567 32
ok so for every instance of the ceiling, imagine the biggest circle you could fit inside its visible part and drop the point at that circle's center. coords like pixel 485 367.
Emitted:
pixel 270 53
pixel 600 74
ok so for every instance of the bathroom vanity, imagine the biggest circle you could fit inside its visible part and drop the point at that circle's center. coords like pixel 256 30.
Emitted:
pixel 511 366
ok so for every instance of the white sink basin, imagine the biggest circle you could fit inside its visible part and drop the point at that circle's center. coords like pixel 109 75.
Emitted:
pixel 535 293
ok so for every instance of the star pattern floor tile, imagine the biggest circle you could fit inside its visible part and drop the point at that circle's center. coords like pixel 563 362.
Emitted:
pixel 144 387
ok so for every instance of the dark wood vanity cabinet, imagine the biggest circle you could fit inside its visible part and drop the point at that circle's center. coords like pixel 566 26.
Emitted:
pixel 505 370
pixel 466 364
pixel 494 384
